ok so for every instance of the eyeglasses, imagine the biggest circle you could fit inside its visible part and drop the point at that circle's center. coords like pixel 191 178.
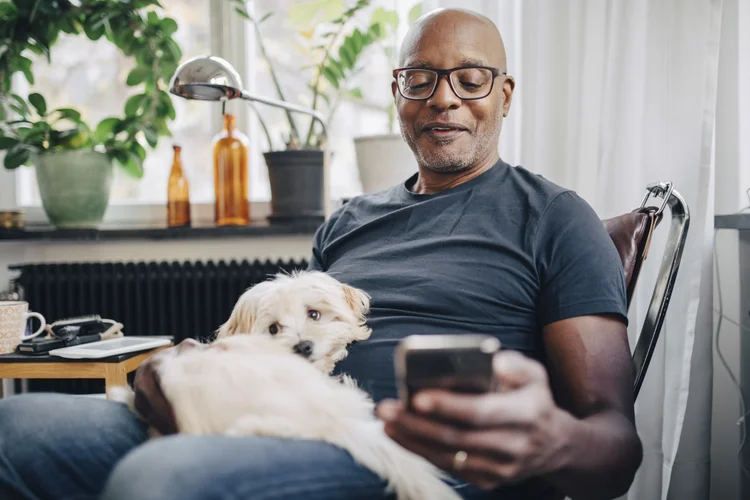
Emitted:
pixel 468 83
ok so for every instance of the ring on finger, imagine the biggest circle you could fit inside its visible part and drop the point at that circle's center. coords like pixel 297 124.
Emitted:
pixel 459 460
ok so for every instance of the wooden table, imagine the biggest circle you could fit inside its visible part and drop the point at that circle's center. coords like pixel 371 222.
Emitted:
pixel 114 370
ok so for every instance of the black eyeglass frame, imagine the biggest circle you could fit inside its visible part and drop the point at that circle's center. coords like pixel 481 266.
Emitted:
pixel 447 73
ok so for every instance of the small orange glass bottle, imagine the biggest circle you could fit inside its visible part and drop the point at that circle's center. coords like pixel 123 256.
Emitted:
pixel 230 175
pixel 178 194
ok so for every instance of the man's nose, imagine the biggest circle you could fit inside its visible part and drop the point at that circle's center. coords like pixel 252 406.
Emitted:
pixel 444 98
pixel 304 348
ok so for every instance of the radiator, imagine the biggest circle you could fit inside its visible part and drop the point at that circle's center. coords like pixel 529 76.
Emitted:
pixel 181 299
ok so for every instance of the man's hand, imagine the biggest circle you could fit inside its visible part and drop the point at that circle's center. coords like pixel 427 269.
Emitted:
pixel 492 439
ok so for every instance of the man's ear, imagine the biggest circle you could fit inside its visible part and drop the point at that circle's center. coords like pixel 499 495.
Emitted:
pixel 394 89
pixel 358 301
pixel 242 318
pixel 508 87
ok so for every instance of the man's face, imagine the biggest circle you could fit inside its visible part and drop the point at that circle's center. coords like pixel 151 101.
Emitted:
pixel 474 124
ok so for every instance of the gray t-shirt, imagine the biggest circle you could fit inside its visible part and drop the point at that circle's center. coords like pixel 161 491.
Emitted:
pixel 503 254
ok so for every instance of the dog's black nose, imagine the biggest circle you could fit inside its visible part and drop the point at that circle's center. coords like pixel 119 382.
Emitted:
pixel 304 348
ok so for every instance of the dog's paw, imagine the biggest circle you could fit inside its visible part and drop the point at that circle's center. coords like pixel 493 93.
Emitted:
pixel 348 381
pixel 122 394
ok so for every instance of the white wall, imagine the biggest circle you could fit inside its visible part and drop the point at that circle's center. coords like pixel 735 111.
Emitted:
pixel 732 179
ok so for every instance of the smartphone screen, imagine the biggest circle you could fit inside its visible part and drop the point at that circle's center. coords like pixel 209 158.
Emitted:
pixel 456 363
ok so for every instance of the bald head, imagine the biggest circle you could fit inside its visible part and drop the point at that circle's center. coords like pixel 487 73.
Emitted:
pixel 448 26
pixel 453 129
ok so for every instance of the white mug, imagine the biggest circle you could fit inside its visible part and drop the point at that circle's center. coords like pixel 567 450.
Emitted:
pixel 13 316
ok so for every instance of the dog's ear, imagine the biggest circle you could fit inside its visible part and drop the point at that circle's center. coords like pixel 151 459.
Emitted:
pixel 242 318
pixel 358 301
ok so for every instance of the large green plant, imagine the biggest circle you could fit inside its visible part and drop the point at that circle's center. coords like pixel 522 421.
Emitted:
pixel 335 38
pixel 29 27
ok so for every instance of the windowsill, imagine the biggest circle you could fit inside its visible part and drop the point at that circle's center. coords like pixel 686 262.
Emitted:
pixel 128 215
pixel 120 231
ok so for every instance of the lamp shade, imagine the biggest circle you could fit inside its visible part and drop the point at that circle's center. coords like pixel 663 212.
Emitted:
pixel 206 78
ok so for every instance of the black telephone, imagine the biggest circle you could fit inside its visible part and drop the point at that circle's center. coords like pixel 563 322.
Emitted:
pixel 67 332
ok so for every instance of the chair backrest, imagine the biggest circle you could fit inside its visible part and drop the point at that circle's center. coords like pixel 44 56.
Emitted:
pixel 632 234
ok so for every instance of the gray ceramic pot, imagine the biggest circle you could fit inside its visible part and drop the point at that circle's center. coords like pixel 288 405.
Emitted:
pixel 74 186
pixel 296 178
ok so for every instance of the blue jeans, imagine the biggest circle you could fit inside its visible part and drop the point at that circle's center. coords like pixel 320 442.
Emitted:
pixel 72 448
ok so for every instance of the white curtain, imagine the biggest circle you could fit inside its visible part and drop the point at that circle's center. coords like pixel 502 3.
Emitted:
pixel 613 95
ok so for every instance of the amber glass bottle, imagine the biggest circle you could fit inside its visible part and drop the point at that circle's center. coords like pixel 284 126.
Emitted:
pixel 178 194
pixel 230 175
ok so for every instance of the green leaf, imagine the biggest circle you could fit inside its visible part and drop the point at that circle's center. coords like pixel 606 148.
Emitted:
pixel 174 50
pixel 134 104
pixel 66 134
pixel 347 55
pixel 162 129
pixel 29 75
pixel 265 17
pixel 337 69
pixel 152 136
pixel 166 105
pixel 243 13
pixel 330 76
pixel 139 150
pixel 7 10
pixel 133 166
pixel 22 108
pixel 69 114
pixel 152 17
pixel 17 156
pixel 39 103
pixel 93 30
pixel 357 40
pixel 171 112
pixel 34 10
pixel 119 155
pixel 7 142
pixel 105 129
pixel 415 13
pixel 355 92
pixel 375 31
pixel 137 76
pixel 168 26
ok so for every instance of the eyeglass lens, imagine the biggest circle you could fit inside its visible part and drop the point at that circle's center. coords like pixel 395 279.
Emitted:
pixel 468 83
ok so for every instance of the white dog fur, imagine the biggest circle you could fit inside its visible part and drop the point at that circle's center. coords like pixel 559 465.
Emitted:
pixel 255 384
pixel 288 301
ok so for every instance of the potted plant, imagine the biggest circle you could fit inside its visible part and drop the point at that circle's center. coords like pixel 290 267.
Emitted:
pixel 384 160
pixel 74 161
pixel 336 42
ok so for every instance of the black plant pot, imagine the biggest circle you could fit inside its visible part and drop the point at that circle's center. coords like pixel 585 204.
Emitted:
pixel 297 187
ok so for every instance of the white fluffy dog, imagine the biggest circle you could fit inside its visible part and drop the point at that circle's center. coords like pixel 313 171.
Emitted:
pixel 310 312
pixel 275 382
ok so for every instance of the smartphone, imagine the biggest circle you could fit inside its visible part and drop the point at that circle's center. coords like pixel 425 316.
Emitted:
pixel 460 363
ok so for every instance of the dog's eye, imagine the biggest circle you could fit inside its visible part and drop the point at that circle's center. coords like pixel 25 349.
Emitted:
pixel 313 314
pixel 273 329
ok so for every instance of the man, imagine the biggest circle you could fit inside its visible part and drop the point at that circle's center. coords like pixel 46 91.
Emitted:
pixel 469 245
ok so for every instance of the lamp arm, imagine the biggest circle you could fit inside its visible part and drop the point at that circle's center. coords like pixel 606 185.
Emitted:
pixel 289 107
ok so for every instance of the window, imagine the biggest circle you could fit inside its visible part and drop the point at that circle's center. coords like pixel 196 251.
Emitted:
pixel 90 76
pixel 353 116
